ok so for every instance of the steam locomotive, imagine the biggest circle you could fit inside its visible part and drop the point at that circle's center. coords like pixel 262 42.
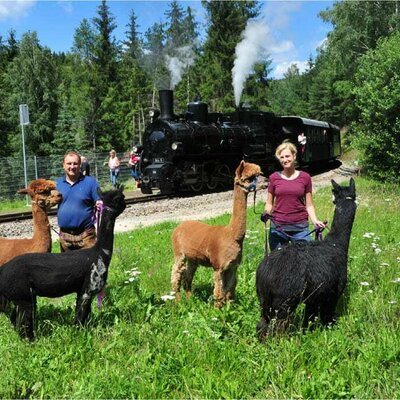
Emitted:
pixel 199 149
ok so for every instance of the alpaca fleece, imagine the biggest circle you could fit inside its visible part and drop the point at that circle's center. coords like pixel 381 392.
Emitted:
pixel 314 273
pixel 83 272
pixel 44 196
pixel 220 247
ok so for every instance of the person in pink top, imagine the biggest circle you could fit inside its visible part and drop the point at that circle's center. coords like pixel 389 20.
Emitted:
pixel 289 202
pixel 114 165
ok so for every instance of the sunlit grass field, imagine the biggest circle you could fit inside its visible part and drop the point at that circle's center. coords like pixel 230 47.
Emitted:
pixel 141 346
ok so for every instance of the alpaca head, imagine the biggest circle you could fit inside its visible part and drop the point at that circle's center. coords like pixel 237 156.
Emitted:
pixel 43 192
pixel 248 176
pixel 114 200
pixel 344 192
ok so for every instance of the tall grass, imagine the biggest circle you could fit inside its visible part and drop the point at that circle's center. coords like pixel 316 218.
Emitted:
pixel 139 346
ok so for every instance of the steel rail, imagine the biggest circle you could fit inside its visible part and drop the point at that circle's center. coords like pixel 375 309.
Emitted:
pixel 24 215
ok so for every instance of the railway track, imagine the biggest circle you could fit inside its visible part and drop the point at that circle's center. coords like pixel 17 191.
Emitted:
pixel 23 215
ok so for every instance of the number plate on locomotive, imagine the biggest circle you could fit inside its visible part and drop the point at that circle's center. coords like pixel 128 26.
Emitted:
pixel 159 160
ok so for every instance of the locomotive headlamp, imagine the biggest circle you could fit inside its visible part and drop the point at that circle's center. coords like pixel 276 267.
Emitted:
pixel 175 145
pixel 154 113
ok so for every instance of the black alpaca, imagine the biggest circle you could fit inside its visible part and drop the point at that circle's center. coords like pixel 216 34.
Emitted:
pixel 54 275
pixel 314 273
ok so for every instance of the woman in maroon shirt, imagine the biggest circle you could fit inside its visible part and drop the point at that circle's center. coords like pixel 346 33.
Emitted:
pixel 289 201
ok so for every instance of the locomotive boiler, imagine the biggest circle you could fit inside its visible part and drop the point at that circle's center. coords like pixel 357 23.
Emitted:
pixel 200 150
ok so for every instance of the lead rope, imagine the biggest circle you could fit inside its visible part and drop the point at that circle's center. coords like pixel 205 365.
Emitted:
pixel 97 217
pixel 318 234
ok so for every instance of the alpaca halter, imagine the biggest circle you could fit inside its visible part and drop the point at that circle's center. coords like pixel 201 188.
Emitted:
pixel 251 187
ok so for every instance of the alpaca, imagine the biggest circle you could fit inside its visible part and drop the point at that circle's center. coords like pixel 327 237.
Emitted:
pixel 219 247
pixel 54 275
pixel 44 196
pixel 314 273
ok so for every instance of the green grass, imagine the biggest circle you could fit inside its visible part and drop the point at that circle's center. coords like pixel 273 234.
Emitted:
pixel 14 205
pixel 138 346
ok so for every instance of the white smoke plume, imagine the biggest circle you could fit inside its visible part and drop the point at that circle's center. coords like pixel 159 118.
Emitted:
pixel 248 51
pixel 178 64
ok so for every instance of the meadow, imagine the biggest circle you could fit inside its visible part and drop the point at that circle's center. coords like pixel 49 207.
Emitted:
pixel 141 344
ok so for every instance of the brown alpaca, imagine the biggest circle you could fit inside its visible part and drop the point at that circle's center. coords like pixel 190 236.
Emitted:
pixel 219 247
pixel 44 196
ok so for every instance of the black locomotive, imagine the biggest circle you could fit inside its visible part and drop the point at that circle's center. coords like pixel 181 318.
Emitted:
pixel 199 150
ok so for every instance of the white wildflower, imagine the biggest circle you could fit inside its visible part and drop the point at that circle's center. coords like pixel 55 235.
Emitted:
pixel 384 264
pixel 364 283
pixel 396 280
pixel 214 319
pixel 378 250
pixel 392 302
pixel 133 272
pixel 369 235
pixel 369 291
pixel 185 332
pixel 170 296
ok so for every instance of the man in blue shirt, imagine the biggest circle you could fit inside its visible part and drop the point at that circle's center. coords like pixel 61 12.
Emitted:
pixel 76 212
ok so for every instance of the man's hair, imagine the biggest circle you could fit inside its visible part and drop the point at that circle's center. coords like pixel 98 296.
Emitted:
pixel 285 146
pixel 72 153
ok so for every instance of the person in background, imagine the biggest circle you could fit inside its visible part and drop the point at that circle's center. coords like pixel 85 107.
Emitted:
pixel 80 201
pixel 302 140
pixel 114 164
pixel 134 164
pixel 289 201
pixel 85 166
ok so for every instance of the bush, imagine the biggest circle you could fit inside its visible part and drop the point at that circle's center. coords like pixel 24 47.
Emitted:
pixel 377 94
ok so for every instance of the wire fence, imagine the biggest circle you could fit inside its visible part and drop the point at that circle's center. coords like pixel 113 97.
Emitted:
pixel 50 167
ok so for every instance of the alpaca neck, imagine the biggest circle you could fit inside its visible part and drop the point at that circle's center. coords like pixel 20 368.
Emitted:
pixel 41 225
pixel 237 224
pixel 105 235
pixel 342 223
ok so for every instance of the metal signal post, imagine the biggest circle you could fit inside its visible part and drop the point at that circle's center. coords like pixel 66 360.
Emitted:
pixel 24 120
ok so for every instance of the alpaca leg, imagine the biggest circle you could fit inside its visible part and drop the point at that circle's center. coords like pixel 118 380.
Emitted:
pixel 283 312
pixel 191 268
pixel 262 328
pixel 327 312
pixel 178 270
pixel 3 303
pixel 229 283
pixel 83 308
pixel 219 299
pixel 310 314
pixel 23 318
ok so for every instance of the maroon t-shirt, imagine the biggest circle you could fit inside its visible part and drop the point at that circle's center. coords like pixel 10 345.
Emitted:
pixel 290 202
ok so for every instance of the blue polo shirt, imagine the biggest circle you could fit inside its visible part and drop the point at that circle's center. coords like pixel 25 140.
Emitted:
pixel 77 206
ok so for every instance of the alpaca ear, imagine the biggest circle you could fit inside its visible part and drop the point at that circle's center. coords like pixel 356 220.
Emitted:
pixel 352 185
pixel 239 169
pixel 335 185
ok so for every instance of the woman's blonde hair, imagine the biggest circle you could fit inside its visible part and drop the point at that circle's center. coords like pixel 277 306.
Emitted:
pixel 285 146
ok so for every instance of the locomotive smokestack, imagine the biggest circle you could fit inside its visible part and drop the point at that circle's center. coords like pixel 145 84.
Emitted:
pixel 166 104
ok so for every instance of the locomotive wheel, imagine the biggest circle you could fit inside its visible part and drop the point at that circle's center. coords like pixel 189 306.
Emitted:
pixel 197 187
pixel 211 184
pixel 224 175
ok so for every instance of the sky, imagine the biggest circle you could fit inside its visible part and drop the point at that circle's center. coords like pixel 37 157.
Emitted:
pixel 291 30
